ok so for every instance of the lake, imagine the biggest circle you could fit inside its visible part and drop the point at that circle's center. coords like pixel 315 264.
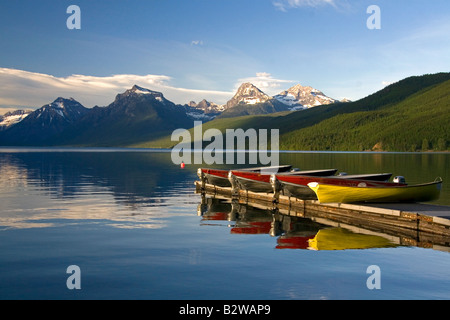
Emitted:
pixel 133 224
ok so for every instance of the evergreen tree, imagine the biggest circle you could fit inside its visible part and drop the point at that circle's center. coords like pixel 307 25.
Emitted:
pixel 425 144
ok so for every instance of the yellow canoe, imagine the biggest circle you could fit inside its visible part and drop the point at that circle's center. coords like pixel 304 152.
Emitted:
pixel 342 239
pixel 327 193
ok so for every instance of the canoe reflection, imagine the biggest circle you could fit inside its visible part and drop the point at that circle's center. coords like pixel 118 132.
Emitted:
pixel 340 239
pixel 291 232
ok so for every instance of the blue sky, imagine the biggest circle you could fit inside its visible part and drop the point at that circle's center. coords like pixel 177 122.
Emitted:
pixel 195 49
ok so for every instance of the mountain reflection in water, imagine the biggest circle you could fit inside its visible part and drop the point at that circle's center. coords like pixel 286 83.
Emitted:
pixel 129 220
pixel 125 189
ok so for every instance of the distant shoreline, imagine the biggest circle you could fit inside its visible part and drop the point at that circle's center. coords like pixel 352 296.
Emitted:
pixel 131 149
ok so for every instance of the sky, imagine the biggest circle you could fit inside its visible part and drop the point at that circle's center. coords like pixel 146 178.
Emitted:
pixel 204 49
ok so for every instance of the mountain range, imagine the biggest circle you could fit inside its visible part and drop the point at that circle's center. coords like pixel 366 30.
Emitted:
pixel 410 115
pixel 137 115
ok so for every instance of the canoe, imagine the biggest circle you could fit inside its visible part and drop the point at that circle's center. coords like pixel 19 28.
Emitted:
pixel 364 192
pixel 297 186
pixel 367 176
pixel 216 177
pixel 219 177
pixel 258 182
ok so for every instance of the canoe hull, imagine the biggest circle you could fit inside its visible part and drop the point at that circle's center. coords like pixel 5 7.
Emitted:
pixel 216 177
pixel 257 182
pixel 368 176
pixel 297 186
pixel 219 177
pixel 350 194
pixel 217 180
pixel 254 185
pixel 298 191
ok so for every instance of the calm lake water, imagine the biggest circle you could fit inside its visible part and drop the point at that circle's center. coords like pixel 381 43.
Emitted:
pixel 132 223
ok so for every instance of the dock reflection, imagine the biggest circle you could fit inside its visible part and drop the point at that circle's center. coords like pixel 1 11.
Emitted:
pixel 291 232
pixel 294 232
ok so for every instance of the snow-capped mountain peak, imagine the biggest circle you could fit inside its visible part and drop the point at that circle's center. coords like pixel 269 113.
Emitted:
pixel 247 94
pixel 65 110
pixel 297 97
pixel 302 97
pixel 62 103
pixel 140 91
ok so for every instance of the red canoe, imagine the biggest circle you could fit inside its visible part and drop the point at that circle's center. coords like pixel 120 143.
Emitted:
pixel 257 182
pixel 219 177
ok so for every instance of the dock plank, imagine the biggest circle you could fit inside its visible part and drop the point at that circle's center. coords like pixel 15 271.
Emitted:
pixel 421 208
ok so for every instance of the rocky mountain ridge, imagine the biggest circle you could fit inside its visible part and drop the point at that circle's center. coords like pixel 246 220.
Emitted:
pixel 247 93
pixel 45 122
pixel 303 97
pixel 295 98
pixel 139 112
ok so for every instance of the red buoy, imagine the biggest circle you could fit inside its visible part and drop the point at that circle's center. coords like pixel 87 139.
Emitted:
pixel 182 165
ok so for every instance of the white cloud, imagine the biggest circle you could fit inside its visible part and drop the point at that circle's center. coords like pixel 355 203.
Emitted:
pixel 197 42
pixel 268 84
pixel 23 88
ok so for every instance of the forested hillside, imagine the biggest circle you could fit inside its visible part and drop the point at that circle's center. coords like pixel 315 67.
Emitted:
pixel 417 123
pixel 410 115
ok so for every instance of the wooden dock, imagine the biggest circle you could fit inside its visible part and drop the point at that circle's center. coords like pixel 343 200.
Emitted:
pixel 415 222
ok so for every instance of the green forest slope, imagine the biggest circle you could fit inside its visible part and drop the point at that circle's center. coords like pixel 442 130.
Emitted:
pixel 421 122
pixel 410 115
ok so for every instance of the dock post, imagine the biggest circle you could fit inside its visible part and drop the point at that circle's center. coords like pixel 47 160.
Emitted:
pixel 276 187
pixel 202 178
pixel 234 185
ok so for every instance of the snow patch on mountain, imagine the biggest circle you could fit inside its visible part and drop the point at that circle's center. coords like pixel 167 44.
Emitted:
pixel 11 118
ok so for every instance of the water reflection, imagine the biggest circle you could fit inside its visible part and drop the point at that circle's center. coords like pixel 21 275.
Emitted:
pixel 341 239
pixel 145 189
pixel 59 209
pixel 129 176
pixel 291 232
pixel 129 190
